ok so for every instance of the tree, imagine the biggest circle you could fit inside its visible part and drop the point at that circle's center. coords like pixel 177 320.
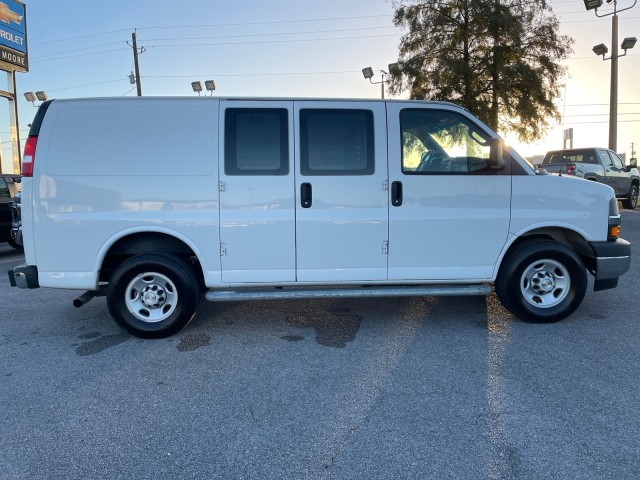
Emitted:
pixel 497 58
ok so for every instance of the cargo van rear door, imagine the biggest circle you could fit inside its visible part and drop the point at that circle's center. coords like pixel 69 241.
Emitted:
pixel 257 213
pixel 341 201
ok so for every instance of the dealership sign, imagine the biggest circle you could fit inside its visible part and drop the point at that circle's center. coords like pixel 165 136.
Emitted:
pixel 13 36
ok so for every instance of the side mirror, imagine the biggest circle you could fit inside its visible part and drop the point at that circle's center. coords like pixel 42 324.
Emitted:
pixel 496 154
pixel 633 163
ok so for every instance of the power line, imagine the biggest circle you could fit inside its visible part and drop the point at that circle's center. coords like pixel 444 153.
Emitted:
pixel 76 50
pixel 596 20
pixel 81 36
pixel 85 85
pixel 80 55
pixel 269 41
pixel 308 32
pixel 601 121
pixel 596 114
pixel 152 27
pixel 264 23
pixel 252 74
pixel 269 34
pixel 599 104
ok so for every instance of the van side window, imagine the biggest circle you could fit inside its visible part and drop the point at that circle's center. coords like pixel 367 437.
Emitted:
pixel 256 141
pixel 436 142
pixel 336 142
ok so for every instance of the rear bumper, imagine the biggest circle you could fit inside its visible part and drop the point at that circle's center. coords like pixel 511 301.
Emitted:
pixel 24 276
pixel 613 259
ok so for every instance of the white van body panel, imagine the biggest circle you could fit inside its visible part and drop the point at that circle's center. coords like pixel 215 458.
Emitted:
pixel 257 213
pixel 560 201
pixel 27 226
pixel 342 236
pixel 449 226
pixel 91 184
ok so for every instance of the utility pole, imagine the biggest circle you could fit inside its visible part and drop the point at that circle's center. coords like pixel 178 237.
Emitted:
pixel 613 94
pixel 135 63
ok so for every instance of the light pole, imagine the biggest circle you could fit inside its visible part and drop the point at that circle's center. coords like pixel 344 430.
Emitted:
pixel 601 49
pixel 368 75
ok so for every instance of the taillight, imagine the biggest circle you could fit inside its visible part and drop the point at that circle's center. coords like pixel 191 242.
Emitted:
pixel 571 169
pixel 29 156
pixel 613 229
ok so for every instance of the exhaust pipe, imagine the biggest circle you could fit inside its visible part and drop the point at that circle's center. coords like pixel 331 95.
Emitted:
pixel 88 295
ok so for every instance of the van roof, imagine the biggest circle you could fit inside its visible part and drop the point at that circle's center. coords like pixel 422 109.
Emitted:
pixel 274 99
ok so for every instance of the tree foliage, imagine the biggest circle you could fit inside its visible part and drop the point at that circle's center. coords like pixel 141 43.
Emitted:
pixel 498 58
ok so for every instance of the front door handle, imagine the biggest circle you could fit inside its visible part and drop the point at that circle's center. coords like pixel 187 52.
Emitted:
pixel 396 194
pixel 306 198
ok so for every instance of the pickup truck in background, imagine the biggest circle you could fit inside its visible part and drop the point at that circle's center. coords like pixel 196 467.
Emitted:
pixel 599 165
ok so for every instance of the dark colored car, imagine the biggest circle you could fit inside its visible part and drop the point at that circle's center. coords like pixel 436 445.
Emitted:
pixel 8 191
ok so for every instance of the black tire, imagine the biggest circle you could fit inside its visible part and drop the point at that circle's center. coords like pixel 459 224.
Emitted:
pixel 153 296
pixel 542 281
pixel 632 198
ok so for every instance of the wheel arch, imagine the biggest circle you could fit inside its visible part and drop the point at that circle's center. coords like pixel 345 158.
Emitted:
pixel 572 239
pixel 129 243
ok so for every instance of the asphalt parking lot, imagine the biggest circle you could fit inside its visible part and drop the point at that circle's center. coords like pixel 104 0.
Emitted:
pixel 428 388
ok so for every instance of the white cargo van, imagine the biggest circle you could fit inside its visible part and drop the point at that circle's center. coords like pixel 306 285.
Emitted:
pixel 155 201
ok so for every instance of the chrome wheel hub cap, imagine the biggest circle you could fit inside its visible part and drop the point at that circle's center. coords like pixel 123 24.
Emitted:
pixel 151 297
pixel 545 283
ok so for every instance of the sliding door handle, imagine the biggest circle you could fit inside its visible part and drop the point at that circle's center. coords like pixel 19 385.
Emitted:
pixel 396 194
pixel 306 198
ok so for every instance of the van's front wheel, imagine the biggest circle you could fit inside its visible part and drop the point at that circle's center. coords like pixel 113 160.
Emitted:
pixel 542 281
pixel 153 296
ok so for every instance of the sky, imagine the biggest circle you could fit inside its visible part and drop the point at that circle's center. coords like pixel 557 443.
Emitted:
pixel 287 48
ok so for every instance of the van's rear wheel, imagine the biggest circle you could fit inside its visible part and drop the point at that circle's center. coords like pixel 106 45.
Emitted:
pixel 153 296
pixel 542 281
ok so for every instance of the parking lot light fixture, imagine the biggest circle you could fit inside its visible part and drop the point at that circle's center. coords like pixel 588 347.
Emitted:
pixel 592 4
pixel 32 97
pixel 197 87
pixel 394 69
pixel 600 49
pixel 628 43
pixel 210 85
pixel 367 73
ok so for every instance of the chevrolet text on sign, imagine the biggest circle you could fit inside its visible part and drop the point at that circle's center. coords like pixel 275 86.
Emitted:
pixel 13 36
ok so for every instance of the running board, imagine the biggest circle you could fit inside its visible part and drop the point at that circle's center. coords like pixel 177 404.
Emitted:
pixel 361 292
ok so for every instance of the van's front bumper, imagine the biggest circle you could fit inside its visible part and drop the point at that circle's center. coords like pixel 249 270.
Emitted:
pixel 613 259
pixel 24 276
